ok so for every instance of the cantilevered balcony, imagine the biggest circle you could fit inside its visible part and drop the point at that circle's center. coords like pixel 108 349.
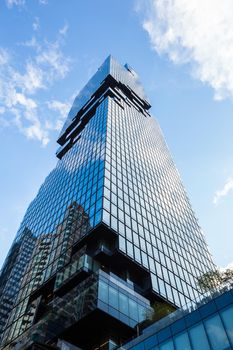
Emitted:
pixel 101 300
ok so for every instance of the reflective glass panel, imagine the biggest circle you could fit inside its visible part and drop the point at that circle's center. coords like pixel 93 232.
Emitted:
pixel 182 341
pixel 198 337
pixel 216 332
pixel 227 317
pixel 167 346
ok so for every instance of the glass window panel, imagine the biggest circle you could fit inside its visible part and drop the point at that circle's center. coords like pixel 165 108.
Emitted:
pixel 145 260
pixel 140 346
pixel 123 303
pixel 137 254
pixel 168 346
pixel 106 204
pixel 121 228
pixel 133 310
pixel 114 222
pixel 113 297
pixel 198 337
pixel 129 248
pixel 227 317
pixel 142 313
pixel 216 333
pixel 122 245
pixel 182 341
pixel 162 287
pixel 114 210
pixel 80 262
pixel 106 217
pixel 103 292
pixel 154 282
pixel 106 192
pixel 150 342
pixel 98 217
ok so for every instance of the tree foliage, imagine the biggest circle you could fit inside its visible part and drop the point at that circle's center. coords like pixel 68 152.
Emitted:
pixel 214 279
pixel 160 310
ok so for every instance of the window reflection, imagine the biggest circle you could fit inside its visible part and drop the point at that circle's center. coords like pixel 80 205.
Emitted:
pixel 227 317
pixel 167 346
pixel 182 341
pixel 198 337
pixel 216 333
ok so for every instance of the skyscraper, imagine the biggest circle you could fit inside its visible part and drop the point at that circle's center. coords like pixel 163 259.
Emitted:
pixel 113 230
pixel 13 271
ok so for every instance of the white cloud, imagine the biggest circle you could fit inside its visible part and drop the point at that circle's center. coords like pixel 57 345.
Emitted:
pixel 11 3
pixel 35 131
pixel 64 29
pixel 43 2
pixel 36 24
pixel 4 57
pixel 24 101
pixel 53 57
pixel 31 80
pixel 61 107
pixel 32 43
pixel 197 32
pixel 224 191
pixel 20 87
pixel 29 124
pixel 49 57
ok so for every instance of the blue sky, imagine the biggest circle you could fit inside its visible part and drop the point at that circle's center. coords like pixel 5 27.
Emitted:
pixel 182 51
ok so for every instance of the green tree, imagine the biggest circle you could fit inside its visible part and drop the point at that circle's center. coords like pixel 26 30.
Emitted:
pixel 214 279
pixel 160 309
pixel 209 280
pixel 227 276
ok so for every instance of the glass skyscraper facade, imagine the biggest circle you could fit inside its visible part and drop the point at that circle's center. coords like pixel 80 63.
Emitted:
pixel 110 231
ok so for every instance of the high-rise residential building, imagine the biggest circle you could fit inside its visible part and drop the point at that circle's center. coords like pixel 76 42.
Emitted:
pixel 13 271
pixel 111 229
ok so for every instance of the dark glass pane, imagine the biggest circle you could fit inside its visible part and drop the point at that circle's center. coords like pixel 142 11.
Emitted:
pixel 113 297
pixel 103 291
pixel 123 304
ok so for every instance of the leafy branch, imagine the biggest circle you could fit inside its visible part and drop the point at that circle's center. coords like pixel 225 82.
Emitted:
pixel 214 279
